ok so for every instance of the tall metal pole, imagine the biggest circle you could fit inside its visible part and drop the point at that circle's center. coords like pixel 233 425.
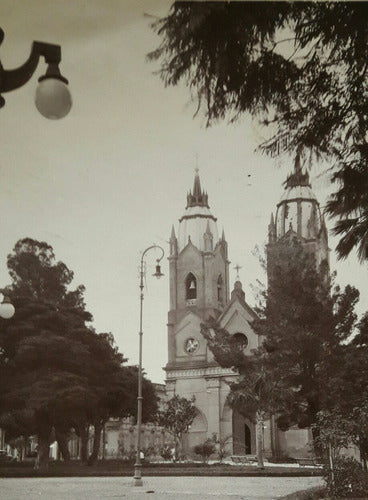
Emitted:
pixel 138 464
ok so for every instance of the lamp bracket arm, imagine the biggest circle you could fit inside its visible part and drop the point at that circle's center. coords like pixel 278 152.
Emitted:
pixel 15 78
pixel 149 248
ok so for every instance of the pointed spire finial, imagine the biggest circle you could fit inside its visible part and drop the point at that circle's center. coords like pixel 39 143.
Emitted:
pixel 197 198
pixel 297 178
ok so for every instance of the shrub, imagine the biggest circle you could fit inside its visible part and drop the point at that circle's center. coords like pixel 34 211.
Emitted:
pixel 205 450
pixel 350 480
pixel 166 453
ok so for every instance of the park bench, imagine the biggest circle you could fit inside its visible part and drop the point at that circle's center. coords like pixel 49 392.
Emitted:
pixel 239 459
pixel 306 461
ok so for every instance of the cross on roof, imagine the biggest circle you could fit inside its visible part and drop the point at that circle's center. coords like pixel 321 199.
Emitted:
pixel 237 269
pixel 196 167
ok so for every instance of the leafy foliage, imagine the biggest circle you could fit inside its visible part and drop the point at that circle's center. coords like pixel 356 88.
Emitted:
pixel 303 323
pixel 205 450
pixel 255 393
pixel 334 433
pixel 299 68
pixel 56 371
pixel 349 479
pixel 177 417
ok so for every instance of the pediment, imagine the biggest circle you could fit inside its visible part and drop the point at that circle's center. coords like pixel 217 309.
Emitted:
pixel 189 321
pixel 237 320
pixel 237 307
pixel 190 248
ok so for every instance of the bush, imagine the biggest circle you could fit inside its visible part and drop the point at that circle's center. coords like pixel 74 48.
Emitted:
pixel 205 450
pixel 166 453
pixel 350 480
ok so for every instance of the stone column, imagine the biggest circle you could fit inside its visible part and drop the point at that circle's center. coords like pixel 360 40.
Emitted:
pixel 213 406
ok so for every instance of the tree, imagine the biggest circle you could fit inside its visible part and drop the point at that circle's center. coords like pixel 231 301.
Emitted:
pixel 221 445
pixel 36 274
pixel 119 397
pixel 348 390
pixel 41 360
pixel 56 372
pixel 334 433
pixel 300 68
pixel 304 323
pixel 177 417
pixel 255 393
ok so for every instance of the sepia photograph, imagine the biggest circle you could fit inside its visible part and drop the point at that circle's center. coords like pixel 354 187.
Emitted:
pixel 184 249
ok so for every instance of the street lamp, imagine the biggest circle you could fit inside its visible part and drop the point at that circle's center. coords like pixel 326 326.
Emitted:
pixel 158 274
pixel 7 309
pixel 53 99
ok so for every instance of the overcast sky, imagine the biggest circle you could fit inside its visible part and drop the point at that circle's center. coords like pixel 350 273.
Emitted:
pixel 111 178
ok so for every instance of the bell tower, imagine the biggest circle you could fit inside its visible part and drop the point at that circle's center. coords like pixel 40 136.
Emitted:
pixel 199 289
pixel 199 281
pixel 298 216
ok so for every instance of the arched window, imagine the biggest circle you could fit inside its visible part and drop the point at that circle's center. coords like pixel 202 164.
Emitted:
pixel 220 289
pixel 190 287
pixel 240 341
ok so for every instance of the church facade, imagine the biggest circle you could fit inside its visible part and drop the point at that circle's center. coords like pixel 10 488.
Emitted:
pixel 200 289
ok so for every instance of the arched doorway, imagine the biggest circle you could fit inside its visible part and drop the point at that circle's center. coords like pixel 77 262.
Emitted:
pixel 247 440
pixel 243 435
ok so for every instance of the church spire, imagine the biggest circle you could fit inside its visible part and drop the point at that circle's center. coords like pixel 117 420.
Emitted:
pixel 199 198
pixel 173 242
pixel 297 178
pixel 272 230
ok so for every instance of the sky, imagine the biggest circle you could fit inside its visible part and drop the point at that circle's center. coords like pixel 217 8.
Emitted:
pixel 110 179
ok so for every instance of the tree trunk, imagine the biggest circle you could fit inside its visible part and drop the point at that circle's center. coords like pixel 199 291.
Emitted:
pixel 332 465
pixel 96 443
pixel 177 448
pixel 363 450
pixel 62 440
pixel 316 447
pixel 43 452
pixel 259 439
pixel 84 437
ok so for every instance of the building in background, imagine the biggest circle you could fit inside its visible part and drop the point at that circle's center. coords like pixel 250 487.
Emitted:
pixel 199 290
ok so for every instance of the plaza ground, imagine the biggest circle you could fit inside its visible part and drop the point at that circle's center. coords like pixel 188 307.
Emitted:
pixel 166 488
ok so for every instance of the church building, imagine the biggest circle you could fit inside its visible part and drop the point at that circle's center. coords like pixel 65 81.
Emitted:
pixel 200 289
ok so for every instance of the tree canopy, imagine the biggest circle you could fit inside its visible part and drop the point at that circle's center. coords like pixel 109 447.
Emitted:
pixel 300 68
pixel 305 324
pixel 304 321
pixel 56 372
pixel 177 417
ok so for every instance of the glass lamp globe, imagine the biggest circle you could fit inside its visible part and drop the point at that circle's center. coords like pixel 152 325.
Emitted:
pixel 53 99
pixel 7 310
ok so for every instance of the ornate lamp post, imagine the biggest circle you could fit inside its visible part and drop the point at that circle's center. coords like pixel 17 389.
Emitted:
pixel 7 311
pixel 158 274
pixel 53 99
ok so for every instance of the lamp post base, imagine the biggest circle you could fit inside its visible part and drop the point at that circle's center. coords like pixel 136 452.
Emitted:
pixel 138 475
